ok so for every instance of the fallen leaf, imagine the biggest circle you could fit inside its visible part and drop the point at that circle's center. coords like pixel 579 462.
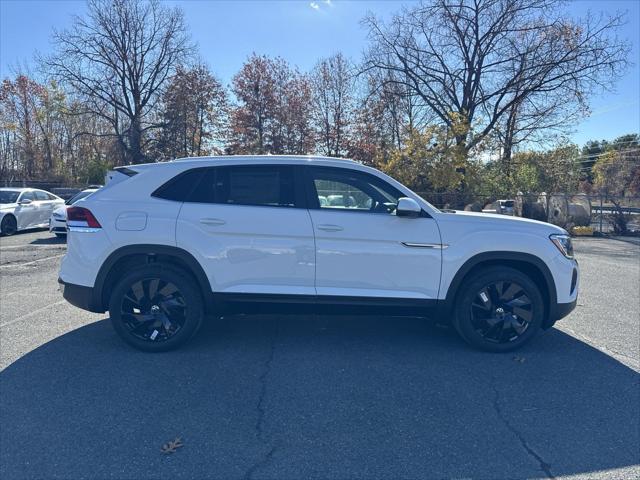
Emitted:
pixel 171 447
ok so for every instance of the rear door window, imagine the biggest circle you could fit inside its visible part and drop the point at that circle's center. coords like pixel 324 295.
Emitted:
pixel 255 185
pixel 28 196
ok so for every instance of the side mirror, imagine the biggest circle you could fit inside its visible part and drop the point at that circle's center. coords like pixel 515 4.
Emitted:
pixel 408 207
pixel 25 201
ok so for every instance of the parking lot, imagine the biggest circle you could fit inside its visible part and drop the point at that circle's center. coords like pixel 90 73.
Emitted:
pixel 291 397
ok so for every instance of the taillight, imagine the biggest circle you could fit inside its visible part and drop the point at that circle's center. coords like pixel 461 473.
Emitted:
pixel 81 218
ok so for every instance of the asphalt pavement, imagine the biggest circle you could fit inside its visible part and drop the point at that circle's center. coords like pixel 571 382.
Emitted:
pixel 317 397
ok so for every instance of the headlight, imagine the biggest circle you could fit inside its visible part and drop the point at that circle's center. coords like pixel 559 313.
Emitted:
pixel 58 216
pixel 563 242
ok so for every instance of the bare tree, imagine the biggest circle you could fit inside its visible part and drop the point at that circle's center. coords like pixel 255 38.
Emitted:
pixel 481 61
pixel 333 103
pixel 117 59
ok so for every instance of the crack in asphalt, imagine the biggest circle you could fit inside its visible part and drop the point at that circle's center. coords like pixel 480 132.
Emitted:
pixel 261 463
pixel 544 466
pixel 259 426
pixel 263 391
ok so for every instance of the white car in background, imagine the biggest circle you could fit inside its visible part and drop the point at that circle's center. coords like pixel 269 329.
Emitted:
pixel 23 208
pixel 58 219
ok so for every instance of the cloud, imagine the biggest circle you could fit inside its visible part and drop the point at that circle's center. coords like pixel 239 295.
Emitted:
pixel 328 2
pixel 314 5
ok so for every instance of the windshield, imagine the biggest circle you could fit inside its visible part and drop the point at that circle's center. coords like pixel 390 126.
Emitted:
pixel 77 196
pixel 7 196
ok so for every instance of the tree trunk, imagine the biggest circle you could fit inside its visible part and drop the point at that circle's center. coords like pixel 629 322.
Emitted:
pixel 135 141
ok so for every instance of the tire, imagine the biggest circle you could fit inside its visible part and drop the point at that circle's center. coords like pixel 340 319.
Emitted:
pixel 498 309
pixel 156 298
pixel 9 225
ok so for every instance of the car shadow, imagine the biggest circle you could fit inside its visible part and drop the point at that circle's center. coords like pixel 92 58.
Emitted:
pixel 25 232
pixel 319 397
pixel 53 240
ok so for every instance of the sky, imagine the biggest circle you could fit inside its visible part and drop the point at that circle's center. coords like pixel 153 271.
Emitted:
pixel 301 32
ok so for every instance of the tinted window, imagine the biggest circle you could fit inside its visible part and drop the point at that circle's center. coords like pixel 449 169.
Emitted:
pixel 7 196
pixel 205 191
pixel 179 188
pixel 28 196
pixel 262 185
pixel 41 195
pixel 348 190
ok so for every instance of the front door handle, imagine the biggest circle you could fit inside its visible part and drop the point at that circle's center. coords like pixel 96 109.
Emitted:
pixel 212 222
pixel 330 228
pixel 438 246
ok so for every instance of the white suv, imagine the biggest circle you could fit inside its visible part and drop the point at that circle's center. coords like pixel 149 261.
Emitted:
pixel 161 245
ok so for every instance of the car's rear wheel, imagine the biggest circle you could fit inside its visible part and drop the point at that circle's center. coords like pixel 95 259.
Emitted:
pixel 9 225
pixel 156 307
pixel 499 309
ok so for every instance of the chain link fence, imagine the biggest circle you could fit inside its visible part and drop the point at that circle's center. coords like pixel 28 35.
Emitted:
pixel 604 214
pixel 62 189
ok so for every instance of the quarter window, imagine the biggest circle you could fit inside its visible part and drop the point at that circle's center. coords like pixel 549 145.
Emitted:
pixel 180 187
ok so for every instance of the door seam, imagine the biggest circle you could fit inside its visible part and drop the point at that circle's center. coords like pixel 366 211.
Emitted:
pixel 315 253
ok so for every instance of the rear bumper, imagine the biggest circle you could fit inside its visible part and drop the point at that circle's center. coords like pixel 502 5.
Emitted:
pixel 79 296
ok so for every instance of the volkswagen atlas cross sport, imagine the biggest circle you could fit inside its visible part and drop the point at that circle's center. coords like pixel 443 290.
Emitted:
pixel 162 245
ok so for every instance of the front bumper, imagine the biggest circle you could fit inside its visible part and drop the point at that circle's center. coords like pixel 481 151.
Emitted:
pixel 79 296
pixel 567 286
pixel 564 309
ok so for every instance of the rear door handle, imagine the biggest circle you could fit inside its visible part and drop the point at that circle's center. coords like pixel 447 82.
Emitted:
pixel 212 222
pixel 330 228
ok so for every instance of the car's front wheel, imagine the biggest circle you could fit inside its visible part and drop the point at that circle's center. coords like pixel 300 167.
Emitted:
pixel 498 309
pixel 9 225
pixel 156 307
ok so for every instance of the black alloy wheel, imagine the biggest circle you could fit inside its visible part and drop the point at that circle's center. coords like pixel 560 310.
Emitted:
pixel 498 309
pixel 153 310
pixel 156 307
pixel 501 312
